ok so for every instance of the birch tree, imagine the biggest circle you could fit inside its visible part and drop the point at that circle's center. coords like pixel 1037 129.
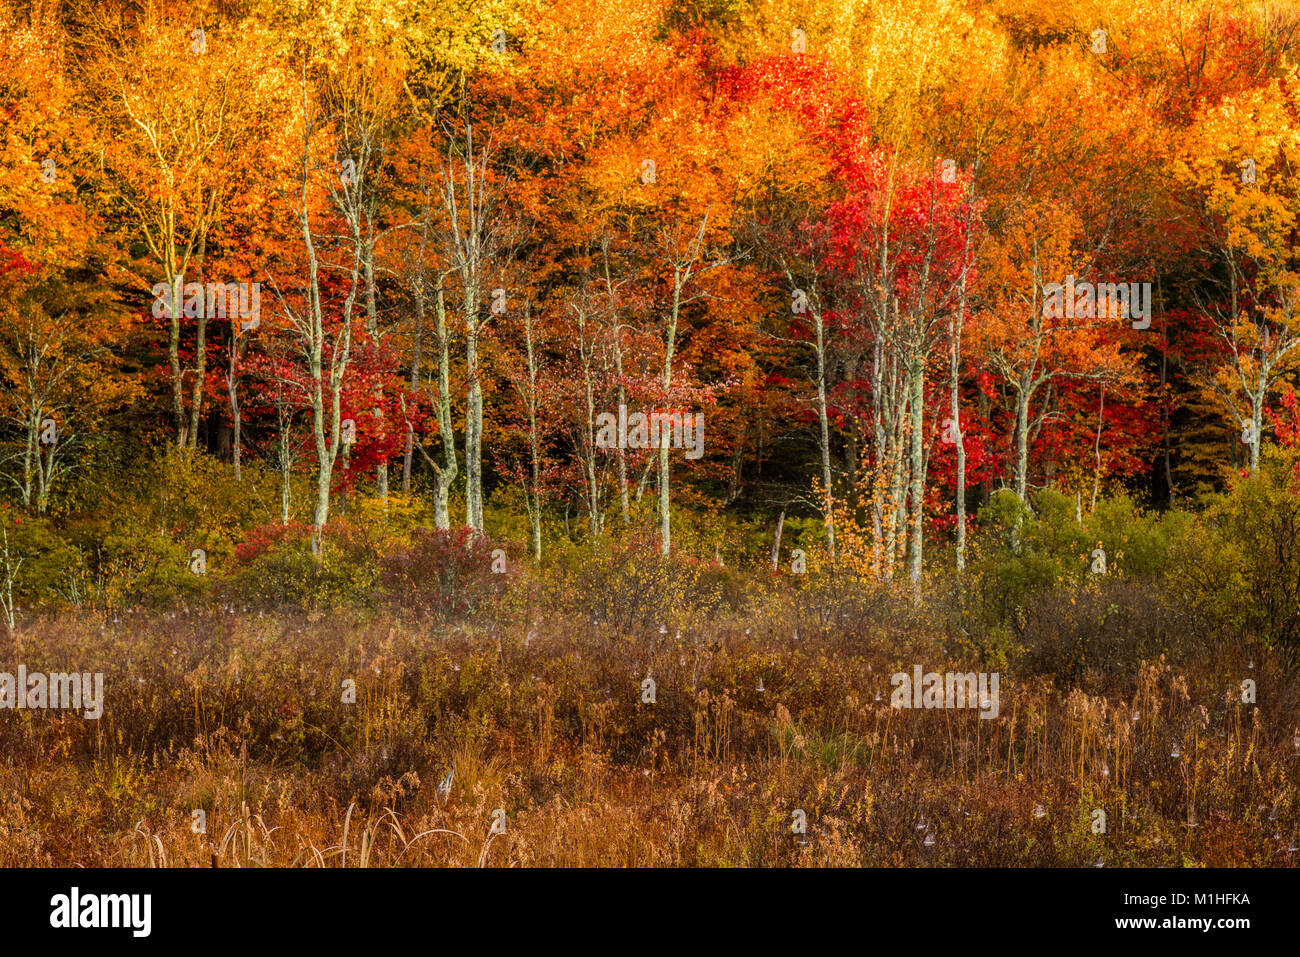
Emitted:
pixel 472 235
pixel 325 346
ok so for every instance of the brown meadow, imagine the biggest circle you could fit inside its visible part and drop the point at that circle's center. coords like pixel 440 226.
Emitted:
pixel 536 709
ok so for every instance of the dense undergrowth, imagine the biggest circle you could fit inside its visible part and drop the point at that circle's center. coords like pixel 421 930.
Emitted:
pixel 1124 735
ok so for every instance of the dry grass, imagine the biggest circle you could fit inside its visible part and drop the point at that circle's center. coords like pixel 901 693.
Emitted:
pixel 243 717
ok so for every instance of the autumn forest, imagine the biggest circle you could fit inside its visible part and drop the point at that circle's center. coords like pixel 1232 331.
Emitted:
pixel 550 423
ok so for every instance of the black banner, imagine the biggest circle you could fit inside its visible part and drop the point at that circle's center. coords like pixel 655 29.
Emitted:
pixel 616 907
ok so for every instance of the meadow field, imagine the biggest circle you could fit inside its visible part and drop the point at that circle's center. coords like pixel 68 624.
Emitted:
pixel 1122 734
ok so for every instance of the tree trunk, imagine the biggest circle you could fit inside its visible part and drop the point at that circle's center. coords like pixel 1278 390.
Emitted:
pixel 174 353
pixel 588 444
pixel 1096 477
pixel 670 342
pixel 1257 423
pixel 959 439
pixel 445 474
pixel 417 342
pixel 624 505
pixel 32 449
pixel 473 419
pixel 534 440
pixel 1022 441
pixel 200 349
pixel 200 378
pixel 372 330
pixel 824 422
pixel 916 381
pixel 236 418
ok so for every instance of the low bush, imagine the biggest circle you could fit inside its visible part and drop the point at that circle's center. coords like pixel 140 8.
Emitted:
pixel 445 574
pixel 1240 563
pixel 274 567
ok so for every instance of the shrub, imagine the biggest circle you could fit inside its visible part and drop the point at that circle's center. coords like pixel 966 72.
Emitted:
pixel 629 587
pixel 193 496
pixel 1097 637
pixel 1020 552
pixel 38 560
pixel 274 566
pixel 141 565
pixel 447 574
pixel 1241 562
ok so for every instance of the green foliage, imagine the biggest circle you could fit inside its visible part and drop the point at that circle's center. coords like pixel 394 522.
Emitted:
pixel 274 567
pixel 34 559
pixel 1139 540
pixel 1240 563
pixel 631 589
pixel 1022 551
pixel 142 565
pixel 1014 554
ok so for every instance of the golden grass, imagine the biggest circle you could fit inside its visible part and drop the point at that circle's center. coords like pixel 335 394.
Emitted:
pixel 242 718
